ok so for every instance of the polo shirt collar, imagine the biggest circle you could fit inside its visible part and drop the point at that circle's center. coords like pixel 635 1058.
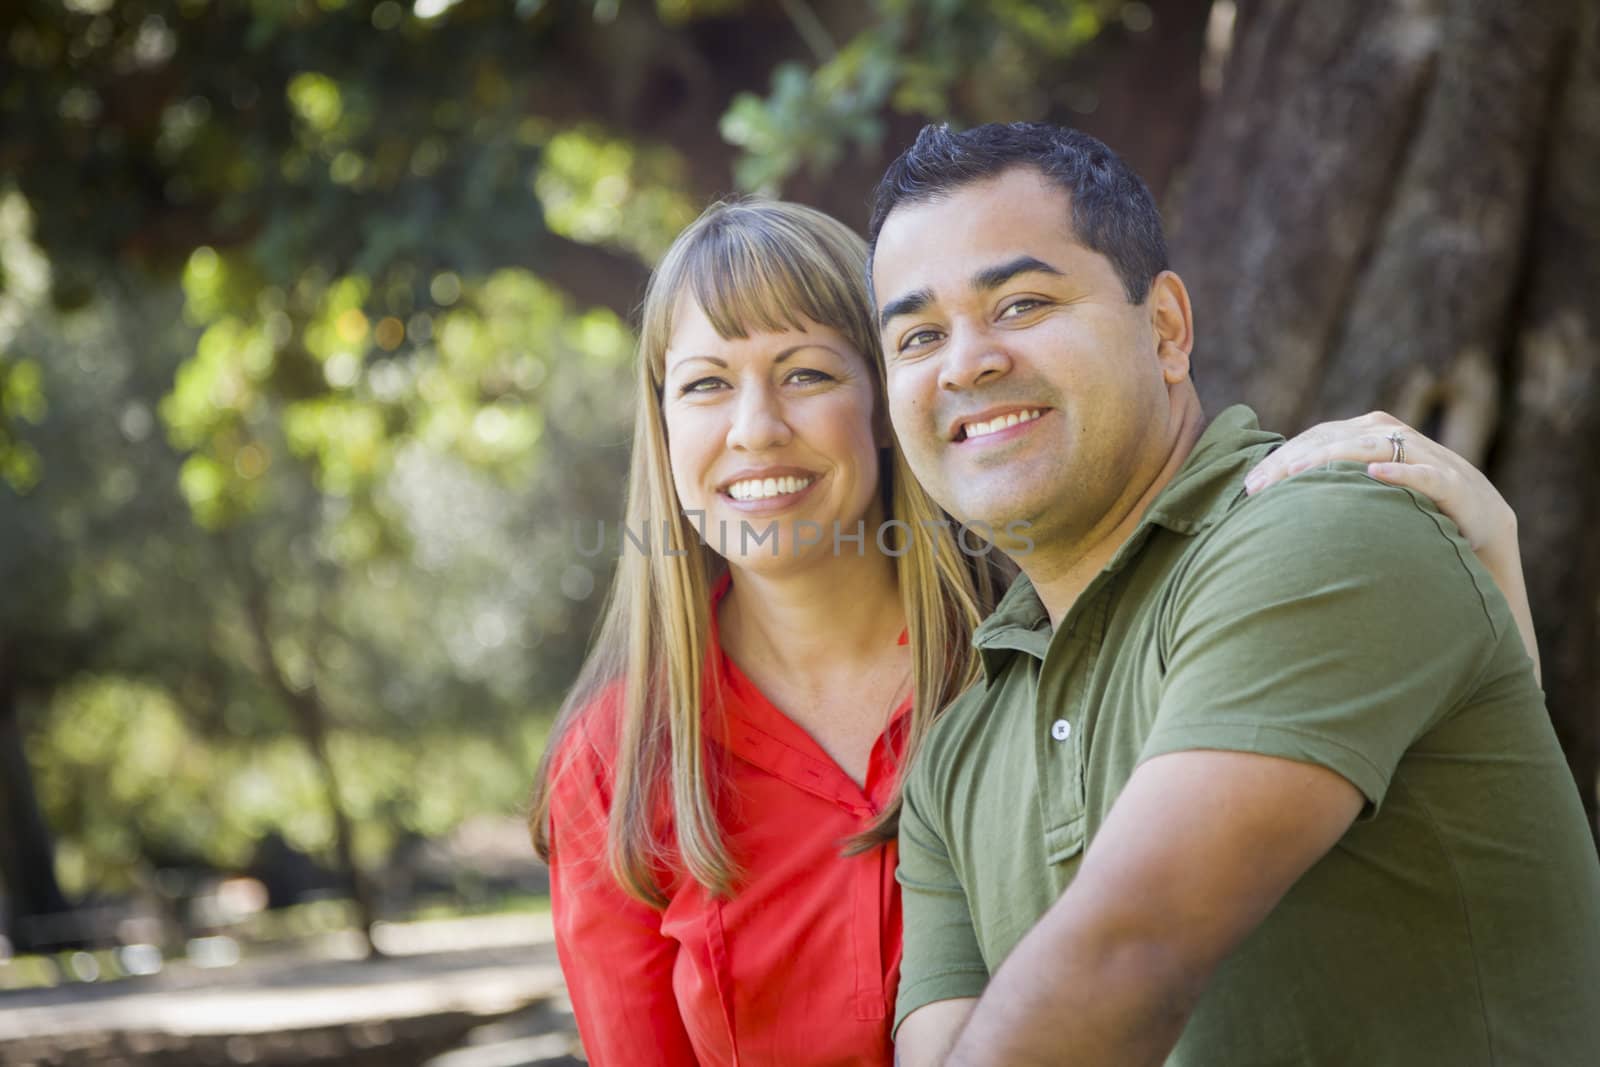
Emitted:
pixel 1211 479
pixel 1203 490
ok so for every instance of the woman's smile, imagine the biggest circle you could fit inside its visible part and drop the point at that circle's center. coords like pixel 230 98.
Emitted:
pixel 768 492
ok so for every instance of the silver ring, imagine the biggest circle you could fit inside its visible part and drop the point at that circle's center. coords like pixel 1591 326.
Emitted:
pixel 1398 440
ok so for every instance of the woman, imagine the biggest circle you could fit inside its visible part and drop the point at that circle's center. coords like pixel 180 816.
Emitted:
pixel 722 871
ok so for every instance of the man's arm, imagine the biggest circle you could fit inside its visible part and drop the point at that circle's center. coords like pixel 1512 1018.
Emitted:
pixel 942 968
pixel 1307 651
pixel 1197 850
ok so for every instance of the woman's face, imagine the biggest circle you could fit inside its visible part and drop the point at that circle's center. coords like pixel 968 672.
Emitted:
pixel 773 438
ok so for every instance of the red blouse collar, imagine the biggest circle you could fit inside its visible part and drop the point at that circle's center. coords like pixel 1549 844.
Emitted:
pixel 753 729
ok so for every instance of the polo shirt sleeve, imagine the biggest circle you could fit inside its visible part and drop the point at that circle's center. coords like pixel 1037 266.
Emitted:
pixel 1332 620
pixel 616 962
pixel 941 959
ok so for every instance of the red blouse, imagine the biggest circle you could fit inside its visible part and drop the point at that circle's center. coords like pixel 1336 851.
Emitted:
pixel 798 968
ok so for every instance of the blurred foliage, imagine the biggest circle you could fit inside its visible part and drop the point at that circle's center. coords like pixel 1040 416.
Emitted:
pixel 313 331
pixel 427 594
pixel 25 275
pixel 914 58
pixel 607 190
pixel 163 790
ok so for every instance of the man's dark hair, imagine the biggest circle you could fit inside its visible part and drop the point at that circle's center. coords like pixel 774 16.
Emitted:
pixel 1113 212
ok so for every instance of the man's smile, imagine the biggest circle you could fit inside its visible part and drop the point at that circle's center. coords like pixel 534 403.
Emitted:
pixel 993 424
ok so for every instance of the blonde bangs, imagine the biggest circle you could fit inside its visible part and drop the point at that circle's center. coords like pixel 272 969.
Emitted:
pixel 756 266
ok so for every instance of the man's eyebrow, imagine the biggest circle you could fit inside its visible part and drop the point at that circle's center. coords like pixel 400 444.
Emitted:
pixel 909 304
pixel 996 276
pixel 985 279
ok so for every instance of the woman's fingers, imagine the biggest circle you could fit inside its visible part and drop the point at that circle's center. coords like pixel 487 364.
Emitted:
pixel 1425 478
pixel 1460 491
pixel 1337 442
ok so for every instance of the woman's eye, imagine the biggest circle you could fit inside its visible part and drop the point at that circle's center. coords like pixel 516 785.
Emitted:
pixel 701 385
pixel 805 376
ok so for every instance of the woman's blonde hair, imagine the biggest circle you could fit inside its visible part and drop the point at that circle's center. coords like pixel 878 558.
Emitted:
pixel 752 266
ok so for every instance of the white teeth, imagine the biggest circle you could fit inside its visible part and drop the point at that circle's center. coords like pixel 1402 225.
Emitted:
pixel 1001 422
pixel 765 488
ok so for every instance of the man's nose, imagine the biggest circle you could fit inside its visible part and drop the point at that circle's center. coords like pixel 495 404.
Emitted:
pixel 758 421
pixel 972 357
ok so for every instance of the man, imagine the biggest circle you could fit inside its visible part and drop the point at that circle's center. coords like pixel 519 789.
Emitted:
pixel 1326 818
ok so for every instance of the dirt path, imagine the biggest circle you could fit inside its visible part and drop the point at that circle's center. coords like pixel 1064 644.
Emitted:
pixel 491 985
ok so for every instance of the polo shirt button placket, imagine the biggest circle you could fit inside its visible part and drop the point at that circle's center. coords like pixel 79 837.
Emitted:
pixel 1061 729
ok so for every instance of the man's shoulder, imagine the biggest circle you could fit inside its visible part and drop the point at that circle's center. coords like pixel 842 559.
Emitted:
pixel 1332 496
pixel 1335 524
pixel 1332 619
pixel 949 731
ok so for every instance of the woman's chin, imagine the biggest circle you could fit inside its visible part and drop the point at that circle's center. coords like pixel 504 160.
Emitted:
pixel 777 546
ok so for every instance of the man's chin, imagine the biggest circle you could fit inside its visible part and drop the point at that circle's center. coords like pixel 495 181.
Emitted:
pixel 991 518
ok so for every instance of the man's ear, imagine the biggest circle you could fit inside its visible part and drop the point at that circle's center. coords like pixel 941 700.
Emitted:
pixel 1173 323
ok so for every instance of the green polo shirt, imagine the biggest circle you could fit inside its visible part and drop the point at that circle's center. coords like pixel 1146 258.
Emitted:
pixel 1333 620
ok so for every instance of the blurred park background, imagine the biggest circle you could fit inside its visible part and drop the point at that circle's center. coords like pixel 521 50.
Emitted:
pixel 314 353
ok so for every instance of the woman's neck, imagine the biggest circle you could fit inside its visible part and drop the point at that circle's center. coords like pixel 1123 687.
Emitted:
pixel 844 612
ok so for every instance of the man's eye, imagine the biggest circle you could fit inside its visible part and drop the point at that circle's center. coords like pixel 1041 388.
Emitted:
pixel 920 337
pixel 1020 307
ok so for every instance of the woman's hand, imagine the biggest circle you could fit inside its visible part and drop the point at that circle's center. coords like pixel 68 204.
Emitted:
pixel 1458 488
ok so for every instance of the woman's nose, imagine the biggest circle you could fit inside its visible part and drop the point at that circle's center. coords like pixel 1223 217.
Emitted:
pixel 758 422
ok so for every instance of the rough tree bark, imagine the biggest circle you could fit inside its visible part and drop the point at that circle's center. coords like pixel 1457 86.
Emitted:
pixel 1546 462
pixel 1392 204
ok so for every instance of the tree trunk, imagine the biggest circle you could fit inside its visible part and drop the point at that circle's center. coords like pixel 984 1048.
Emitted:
pixel 1546 465
pixel 1392 204
pixel 310 716
pixel 38 917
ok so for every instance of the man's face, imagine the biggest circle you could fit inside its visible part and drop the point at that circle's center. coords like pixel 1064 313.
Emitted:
pixel 1022 383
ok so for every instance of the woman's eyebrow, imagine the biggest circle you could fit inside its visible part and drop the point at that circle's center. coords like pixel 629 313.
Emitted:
pixel 779 358
pixel 692 359
pixel 821 346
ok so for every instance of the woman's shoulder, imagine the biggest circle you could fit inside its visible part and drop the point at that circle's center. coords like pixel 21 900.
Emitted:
pixel 587 743
pixel 583 780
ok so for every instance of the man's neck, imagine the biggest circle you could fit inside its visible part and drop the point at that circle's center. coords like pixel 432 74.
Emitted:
pixel 1061 572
